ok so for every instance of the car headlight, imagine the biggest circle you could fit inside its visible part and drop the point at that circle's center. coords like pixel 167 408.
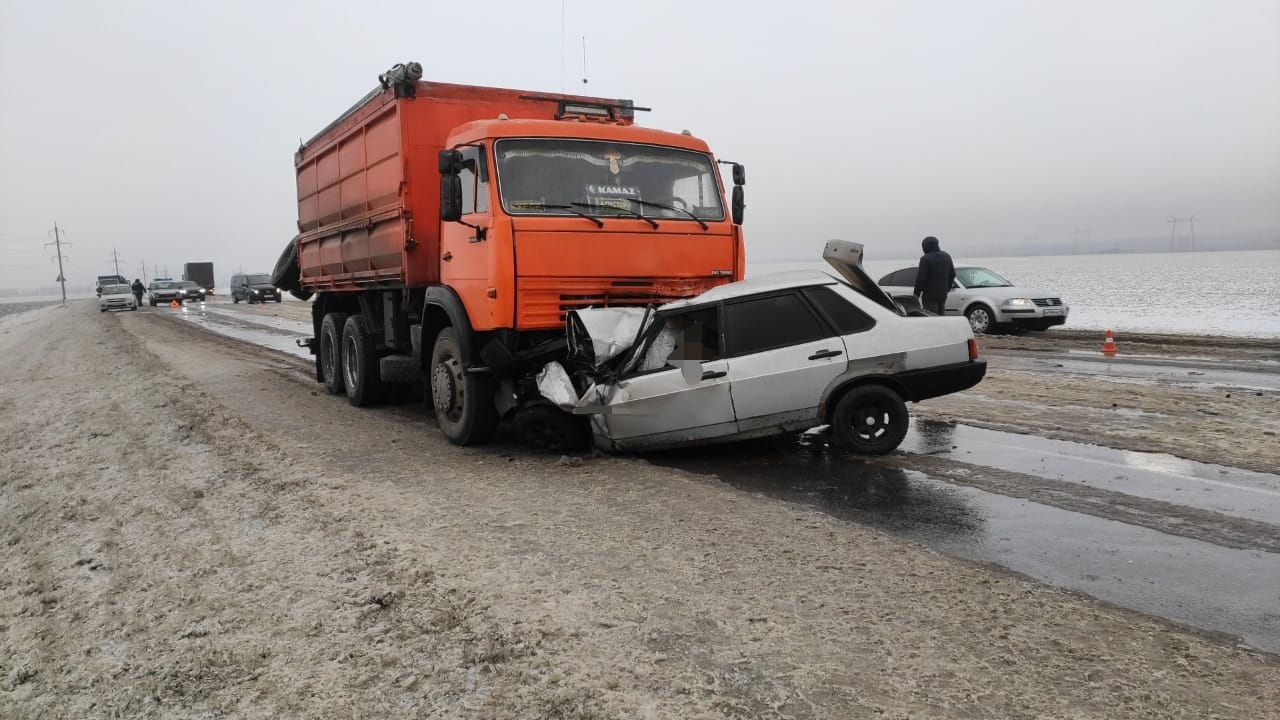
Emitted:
pixel 1018 302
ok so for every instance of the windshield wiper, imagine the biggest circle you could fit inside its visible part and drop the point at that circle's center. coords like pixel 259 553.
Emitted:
pixel 567 208
pixel 651 221
pixel 648 203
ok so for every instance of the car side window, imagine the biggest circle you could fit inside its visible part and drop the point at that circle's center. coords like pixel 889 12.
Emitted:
pixel 692 335
pixel 843 315
pixel 906 278
pixel 767 323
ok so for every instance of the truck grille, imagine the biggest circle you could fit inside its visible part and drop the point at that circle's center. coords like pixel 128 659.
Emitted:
pixel 544 301
pixel 1047 302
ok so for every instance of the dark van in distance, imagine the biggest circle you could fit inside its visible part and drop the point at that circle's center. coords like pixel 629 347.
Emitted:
pixel 255 287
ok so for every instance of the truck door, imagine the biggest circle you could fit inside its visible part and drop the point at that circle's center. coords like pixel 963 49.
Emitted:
pixel 464 249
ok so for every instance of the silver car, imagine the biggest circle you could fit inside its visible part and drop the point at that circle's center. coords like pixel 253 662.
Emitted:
pixel 989 301
pixel 117 297
pixel 764 356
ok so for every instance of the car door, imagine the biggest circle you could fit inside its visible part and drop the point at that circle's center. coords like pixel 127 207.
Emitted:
pixel 782 356
pixel 675 389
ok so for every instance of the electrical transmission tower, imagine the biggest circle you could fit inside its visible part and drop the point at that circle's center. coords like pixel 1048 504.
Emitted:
pixel 1173 244
pixel 57 243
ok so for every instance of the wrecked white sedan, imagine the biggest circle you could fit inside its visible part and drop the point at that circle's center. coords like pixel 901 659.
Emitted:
pixel 770 355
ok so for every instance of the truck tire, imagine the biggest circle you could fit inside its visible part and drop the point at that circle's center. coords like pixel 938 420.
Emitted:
pixel 462 401
pixel 331 352
pixel 870 419
pixel 286 273
pixel 360 363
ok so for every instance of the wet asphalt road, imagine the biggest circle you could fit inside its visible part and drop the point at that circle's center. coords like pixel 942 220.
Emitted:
pixel 1194 543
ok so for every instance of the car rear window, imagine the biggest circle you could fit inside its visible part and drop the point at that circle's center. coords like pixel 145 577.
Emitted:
pixel 843 315
pixel 771 322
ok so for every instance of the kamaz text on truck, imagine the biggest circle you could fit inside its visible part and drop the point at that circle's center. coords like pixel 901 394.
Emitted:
pixel 444 231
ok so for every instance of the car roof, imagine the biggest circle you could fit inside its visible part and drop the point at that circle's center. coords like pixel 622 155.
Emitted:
pixel 755 286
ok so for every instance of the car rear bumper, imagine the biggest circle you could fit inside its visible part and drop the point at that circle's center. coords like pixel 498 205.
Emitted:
pixel 942 380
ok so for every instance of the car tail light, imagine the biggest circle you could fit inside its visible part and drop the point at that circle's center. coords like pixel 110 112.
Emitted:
pixel 973 348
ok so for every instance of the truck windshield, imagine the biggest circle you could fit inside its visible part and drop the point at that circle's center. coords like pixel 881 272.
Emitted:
pixel 544 176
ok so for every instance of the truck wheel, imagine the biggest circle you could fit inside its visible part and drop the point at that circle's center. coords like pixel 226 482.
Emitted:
pixel 360 363
pixel 871 419
pixel 330 351
pixel 463 402
pixel 545 427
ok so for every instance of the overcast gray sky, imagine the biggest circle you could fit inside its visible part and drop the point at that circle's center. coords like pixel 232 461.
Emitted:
pixel 166 130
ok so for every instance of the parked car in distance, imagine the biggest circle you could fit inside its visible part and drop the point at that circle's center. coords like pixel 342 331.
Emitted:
pixel 764 356
pixel 116 297
pixel 989 301
pixel 164 291
pixel 254 287
pixel 191 290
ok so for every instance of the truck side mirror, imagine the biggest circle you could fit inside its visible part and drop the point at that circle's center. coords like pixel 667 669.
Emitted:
pixel 450 198
pixel 450 162
pixel 739 174
pixel 738 204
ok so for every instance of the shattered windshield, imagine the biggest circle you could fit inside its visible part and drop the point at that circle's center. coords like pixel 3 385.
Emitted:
pixel 552 176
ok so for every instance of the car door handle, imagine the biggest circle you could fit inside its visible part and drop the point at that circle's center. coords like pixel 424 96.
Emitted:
pixel 825 354
pixel 713 374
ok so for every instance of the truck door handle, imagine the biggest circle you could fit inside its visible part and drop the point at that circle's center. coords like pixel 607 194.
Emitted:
pixel 712 374
pixel 824 354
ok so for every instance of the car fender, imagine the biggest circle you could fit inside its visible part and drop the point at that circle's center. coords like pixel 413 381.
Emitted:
pixel 881 369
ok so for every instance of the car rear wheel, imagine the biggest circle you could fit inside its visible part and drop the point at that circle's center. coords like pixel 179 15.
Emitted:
pixel 870 419
pixel 330 352
pixel 360 363
pixel 235 299
pixel 462 401
pixel 980 319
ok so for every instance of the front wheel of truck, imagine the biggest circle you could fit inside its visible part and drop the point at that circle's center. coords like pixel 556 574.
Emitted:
pixel 462 401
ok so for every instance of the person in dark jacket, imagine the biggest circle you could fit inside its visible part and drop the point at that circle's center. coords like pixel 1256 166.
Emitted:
pixel 138 290
pixel 934 277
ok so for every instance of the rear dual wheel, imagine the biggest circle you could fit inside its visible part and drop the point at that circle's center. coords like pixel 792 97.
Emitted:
pixel 331 353
pixel 360 357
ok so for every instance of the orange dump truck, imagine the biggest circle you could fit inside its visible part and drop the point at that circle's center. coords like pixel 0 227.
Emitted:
pixel 444 230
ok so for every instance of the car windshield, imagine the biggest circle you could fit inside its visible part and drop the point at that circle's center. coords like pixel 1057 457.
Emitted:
pixel 259 280
pixel 554 176
pixel 116 290
pixel 976 277
pixel 163 285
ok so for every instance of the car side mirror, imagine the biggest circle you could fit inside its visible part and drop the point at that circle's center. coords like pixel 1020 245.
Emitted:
pixel 738 204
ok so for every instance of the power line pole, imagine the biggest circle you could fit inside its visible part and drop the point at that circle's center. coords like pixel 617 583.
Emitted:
pixel 1192 222
pixel 1173 220
pixel 116 257
pixel 57 242
pixel 143 265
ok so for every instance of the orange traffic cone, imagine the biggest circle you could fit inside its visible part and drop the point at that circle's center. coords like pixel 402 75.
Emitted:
pixel 173 303
pixel 1109 346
